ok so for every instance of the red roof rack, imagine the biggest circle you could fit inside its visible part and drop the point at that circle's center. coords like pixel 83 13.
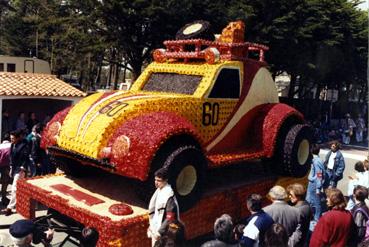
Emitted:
pixel 210 51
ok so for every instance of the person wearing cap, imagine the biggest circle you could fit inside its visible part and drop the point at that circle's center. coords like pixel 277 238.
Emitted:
pixel 284 214
pixel 19 157
pixel 163 206
pixel 22 233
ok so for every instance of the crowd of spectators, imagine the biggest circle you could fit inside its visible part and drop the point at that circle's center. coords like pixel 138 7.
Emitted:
pixel 316 216
pixel 20 155
pixel 347 130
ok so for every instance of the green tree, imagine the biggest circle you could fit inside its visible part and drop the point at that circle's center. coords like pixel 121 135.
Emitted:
pixel 137 27
pixel 319 43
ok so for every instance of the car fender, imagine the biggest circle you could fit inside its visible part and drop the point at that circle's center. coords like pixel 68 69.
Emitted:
pixel 52 129
pixel 143 136
pixel 270 121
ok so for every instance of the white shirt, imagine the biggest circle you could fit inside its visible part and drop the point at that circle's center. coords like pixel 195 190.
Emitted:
pixel 161 200
pixel 331 160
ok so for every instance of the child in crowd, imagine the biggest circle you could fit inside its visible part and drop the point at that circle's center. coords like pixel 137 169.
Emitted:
pixel 361 177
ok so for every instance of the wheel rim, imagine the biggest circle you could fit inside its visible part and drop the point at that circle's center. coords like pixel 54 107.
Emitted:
pixel 186 180
pixel 192 29
pixel 303 152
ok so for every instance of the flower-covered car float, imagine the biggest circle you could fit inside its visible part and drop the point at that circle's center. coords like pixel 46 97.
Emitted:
pixel 200 105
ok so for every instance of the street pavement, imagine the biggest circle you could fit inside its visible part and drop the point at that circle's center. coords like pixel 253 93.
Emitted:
pixel 352 154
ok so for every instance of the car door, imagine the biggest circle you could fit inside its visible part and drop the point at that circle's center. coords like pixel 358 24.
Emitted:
pixel 221 100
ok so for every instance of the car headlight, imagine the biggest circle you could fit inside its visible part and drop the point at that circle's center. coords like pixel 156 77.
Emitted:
pixel 120 147
pixel 53 133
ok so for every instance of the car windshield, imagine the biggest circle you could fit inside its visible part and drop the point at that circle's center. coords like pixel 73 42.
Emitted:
pixel 172 83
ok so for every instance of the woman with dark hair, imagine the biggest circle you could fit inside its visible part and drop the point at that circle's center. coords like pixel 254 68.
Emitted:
pixel 336 226
pixel 276 236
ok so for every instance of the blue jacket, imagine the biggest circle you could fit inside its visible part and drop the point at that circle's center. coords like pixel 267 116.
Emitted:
pixel 338 168
pixel 317 174
pixel 256 225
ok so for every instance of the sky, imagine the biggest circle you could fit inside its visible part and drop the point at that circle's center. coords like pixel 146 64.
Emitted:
pixel 364 5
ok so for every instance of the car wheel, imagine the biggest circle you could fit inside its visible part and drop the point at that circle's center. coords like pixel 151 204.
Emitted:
pixel 186 167
pixel 196 30
pixel 294 157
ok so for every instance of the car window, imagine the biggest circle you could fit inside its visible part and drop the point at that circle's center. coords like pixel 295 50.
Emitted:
pixel 227 84
pixel 172 83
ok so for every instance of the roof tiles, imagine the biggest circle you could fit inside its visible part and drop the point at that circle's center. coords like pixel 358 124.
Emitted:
pixel 28 84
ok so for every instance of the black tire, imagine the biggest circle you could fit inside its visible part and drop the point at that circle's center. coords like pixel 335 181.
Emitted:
pixel 186 167
pixel 293 156
pixel 175 158
pixel 196 30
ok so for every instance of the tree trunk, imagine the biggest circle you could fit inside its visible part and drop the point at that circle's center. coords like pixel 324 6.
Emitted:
pixel 318 89
pixel 136 69
pixel 116 76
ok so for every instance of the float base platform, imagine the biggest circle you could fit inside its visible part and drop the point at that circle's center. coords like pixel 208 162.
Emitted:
pixel 91 202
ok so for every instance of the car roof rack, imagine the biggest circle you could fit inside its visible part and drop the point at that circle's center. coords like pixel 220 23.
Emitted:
pixel 210 51
pixel 228 46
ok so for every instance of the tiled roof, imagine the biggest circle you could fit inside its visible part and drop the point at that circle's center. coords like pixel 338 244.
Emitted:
pixel 28 84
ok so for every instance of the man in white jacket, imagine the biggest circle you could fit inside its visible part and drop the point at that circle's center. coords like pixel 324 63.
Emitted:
pixel 163 207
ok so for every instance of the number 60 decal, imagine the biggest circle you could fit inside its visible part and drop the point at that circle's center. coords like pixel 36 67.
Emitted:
pixel 113 108
pixel 210 113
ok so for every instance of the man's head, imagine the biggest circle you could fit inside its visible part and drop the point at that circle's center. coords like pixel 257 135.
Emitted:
pixel 359 166
pixel 296 192
pixel 21 232
pixel 22 115
pixel 37 128
pixel 223 228
pixel 161 178
pixel 335 145
pixel 253 203
pixel 32 115
pixel 277 193
pixel 315 149
pixel 360 193
pixel 15 136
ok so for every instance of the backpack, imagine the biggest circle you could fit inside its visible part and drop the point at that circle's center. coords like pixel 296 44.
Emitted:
pixel 366 237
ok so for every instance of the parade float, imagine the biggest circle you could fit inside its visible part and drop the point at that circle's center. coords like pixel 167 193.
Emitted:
pixel 202 106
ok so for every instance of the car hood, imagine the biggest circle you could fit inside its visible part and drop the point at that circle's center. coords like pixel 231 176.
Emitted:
pixel 92 121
